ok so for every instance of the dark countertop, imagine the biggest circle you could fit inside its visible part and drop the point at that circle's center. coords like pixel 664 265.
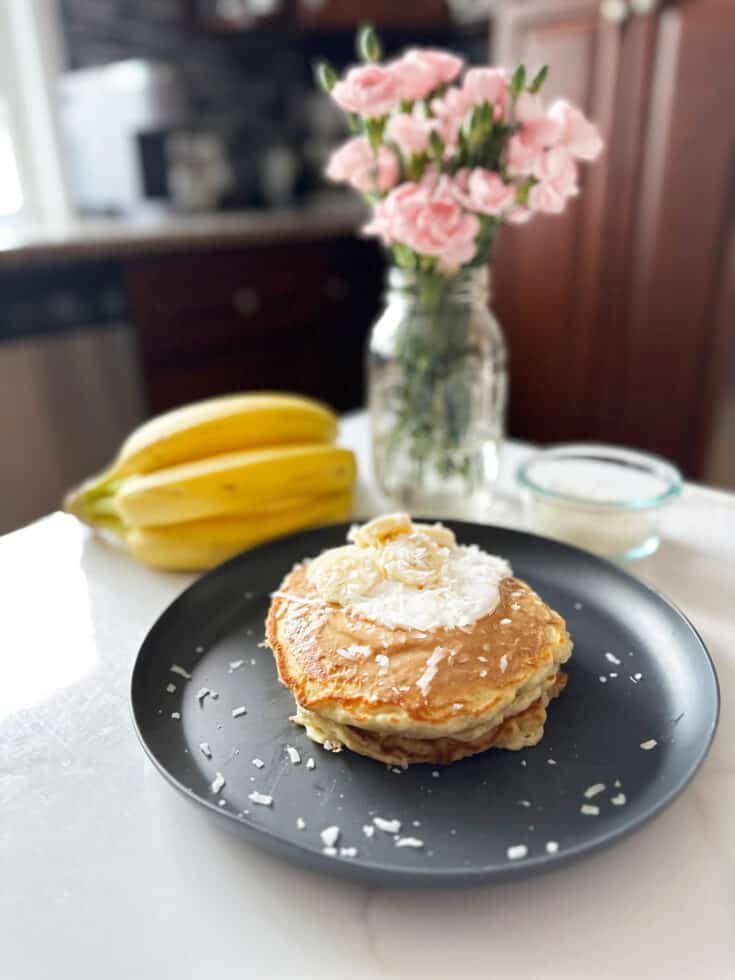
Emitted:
pixel 87 239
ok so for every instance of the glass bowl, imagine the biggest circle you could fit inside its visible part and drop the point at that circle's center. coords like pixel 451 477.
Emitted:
pixel 602 498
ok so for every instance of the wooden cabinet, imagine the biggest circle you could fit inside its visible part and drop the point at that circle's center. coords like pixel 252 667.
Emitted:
pixel 291 316
pixel 620 312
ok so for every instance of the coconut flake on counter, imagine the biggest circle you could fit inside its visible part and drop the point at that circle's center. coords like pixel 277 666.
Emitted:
pixel 258 763
pixel 612 658
pixel 300 823
pixel 330 836
pixel 651 743
pixel 330 851
pixel 409 842
pixel 388 826
pixel 368 829
pixel 222 803
pixel 348 852
pixel 594 790
pixel 176 715
pixel 293 755
pixel 551 847
pixel 235 665
pixel 525 803
pixel 619 799
pixel 239 711
pixel 201 694
pixel 262 799
pixel 170 688
pixel 517 851
pixel 551 762
pixel 177 669
pixel 589 810
pixel 205 749
pixel 217 783
pixel 310 764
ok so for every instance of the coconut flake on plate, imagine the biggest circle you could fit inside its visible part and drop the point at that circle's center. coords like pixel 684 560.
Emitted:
pixel 551 847
pixel 170 688
pixel 239 711
pixel 205 749
pixel 619 799
pixel 330 835
pixel 293 755
pixel 409 842
pixel 388 826
pixel 594 790
pixel 310 764
pixel 258 763
pixel 589 810
pixel 368 829
pixel 300 823
pixel 651 743
pixel 262 799
pixel 217 783
pixel 177 669
pixel 612 658
pixel 517 851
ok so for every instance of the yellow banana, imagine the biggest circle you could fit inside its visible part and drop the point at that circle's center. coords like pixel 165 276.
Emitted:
pixel 198 545
pixel 233 483
pixel 223 425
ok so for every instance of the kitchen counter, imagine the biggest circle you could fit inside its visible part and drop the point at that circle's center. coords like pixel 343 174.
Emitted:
pixel 107 872
pixel 108 238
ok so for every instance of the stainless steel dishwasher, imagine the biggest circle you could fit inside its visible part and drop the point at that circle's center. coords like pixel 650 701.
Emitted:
pixel 70 383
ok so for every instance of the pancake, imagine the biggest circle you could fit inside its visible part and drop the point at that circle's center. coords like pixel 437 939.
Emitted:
pixel 404 694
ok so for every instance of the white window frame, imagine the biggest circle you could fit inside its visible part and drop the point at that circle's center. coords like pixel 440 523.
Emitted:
pixel 31 60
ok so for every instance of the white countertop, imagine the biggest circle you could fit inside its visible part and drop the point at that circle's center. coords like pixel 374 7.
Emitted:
pixel 106 872
pixel 166 231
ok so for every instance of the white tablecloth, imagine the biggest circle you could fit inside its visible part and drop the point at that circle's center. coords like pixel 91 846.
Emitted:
pixel 106 872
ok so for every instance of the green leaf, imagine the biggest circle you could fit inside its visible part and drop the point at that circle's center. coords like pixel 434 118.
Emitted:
pixel 325 76
pixel 518 82
pixel 368 44
pixel 538 79
pixel 436 144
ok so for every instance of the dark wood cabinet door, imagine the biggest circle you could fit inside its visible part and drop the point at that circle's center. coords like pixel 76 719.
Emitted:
pixel 619 313
pixel 679 321
pixel 548 274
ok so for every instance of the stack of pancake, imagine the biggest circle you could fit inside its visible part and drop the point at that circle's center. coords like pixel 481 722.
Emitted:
pixel 407 647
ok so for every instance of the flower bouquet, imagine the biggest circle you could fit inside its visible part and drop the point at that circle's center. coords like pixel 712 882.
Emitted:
pixel 444 160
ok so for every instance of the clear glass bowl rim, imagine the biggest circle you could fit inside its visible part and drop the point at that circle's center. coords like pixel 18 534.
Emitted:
pixel 633 459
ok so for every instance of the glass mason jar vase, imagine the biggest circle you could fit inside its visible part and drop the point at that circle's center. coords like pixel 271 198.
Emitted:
pixel 437 393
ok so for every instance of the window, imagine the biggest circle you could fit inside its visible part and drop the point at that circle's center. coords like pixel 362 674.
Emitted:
pixel 31 184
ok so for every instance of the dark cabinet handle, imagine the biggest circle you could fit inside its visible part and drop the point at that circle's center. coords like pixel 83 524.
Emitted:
pixel 336 288
pixel 245 301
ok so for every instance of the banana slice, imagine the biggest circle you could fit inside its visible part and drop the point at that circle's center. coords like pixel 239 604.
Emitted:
pixel 381 529
pixel 414 559
pixel 437 532
pixel 342 574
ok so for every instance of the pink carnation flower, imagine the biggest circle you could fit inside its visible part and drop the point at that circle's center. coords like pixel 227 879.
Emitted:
pixel 370 90
pixel 411 131
pixel 483 191
pixel 426 217
pixel 488 85
pixel 449 111
pixel 421 70
pixel 356 164
pixel 538 128
pixel 580 136
pixel 557 176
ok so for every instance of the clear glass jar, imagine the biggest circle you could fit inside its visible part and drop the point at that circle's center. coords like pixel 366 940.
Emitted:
pixel 437 392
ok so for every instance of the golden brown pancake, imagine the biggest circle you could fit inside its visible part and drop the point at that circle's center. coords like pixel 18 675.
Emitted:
pixel 405 695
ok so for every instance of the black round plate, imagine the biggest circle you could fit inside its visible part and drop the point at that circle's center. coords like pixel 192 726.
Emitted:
pixel 659 683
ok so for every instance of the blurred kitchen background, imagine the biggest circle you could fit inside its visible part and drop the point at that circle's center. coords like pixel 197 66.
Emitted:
pixel 165 234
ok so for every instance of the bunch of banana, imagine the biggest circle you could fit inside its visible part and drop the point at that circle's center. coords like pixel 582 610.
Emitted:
pixel 196 485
